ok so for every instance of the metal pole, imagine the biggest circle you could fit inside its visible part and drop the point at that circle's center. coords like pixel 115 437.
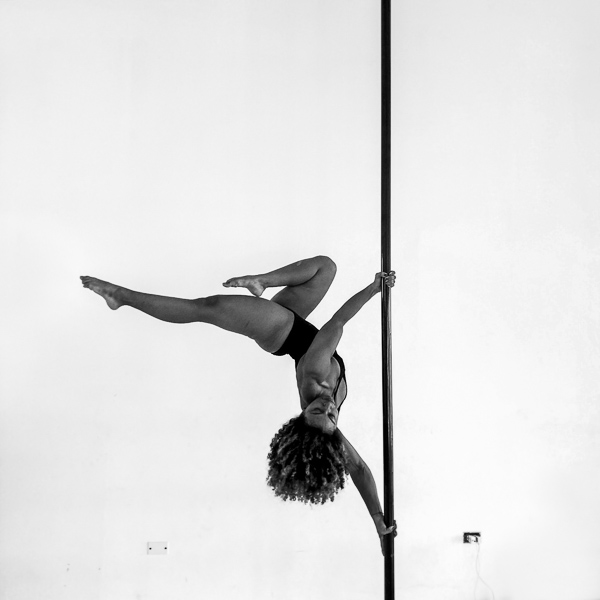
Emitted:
pixel 386 308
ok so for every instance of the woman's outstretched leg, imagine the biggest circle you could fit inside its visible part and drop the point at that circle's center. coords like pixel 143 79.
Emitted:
pixel 306 283
pixel 265 322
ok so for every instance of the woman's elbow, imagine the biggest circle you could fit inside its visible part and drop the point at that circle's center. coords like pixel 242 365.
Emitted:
pixel 358 469
pixel 335 326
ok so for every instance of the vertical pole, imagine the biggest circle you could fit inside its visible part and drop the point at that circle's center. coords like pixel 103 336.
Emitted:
pixel 386 314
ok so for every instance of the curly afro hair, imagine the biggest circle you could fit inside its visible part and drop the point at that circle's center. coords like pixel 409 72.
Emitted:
pixel 305 463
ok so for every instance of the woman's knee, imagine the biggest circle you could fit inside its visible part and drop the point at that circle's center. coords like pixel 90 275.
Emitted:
pixel 327 265
pixel 208 307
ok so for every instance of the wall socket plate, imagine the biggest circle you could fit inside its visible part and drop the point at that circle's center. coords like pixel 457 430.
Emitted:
pixel 158 547
pixel 471 537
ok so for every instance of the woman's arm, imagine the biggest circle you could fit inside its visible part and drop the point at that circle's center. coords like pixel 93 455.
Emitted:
pixel 317 361
pixel 352 306
pixel 363 479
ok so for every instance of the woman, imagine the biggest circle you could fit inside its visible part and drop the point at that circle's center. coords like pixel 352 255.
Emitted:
pixel 309 457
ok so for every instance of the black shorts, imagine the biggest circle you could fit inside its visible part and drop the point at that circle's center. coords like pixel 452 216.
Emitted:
pixel 298 341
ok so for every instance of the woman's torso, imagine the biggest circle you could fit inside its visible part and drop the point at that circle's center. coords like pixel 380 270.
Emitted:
pixel 310 388
pixel 296 345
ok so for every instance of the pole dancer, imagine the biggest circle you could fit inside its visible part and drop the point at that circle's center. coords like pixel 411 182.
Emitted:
pixel 309 457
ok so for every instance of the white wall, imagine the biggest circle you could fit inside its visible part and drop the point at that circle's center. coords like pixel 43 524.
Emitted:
pixel 168 146
pixel 498 360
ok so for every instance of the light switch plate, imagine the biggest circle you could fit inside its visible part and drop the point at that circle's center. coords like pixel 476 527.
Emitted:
pixel 158 547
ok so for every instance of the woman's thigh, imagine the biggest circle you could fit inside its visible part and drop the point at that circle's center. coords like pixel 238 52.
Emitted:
pixel 264 321
pixel 304 298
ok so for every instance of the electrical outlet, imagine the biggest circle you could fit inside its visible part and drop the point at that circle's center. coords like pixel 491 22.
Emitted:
pixel 158 547
pixel 471 538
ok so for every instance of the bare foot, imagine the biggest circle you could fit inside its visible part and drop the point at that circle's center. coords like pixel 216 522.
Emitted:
pixel 104 289
pixel 250 282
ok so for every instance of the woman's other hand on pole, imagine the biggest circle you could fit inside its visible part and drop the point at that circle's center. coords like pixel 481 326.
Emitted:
pixel 383 530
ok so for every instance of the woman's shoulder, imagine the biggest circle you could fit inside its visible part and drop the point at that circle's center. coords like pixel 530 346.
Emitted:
pixel 309 389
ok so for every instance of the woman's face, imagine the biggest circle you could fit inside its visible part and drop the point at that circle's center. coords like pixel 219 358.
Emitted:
pixel 322 414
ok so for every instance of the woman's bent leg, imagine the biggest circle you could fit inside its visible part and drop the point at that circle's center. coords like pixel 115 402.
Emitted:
pixel 265 322
pixel 306 283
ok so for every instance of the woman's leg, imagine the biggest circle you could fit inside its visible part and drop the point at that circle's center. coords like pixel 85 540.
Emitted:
pixel 307 283
pixel 267 323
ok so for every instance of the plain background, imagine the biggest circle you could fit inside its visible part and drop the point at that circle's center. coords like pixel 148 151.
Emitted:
pixel 167 146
